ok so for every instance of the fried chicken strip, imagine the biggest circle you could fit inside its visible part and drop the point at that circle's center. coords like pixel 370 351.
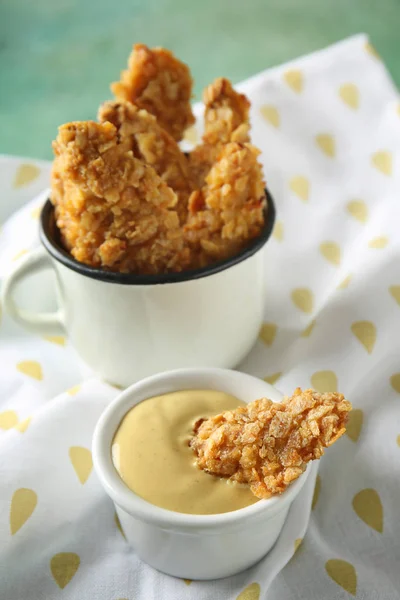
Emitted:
pixel 226 119
pixel 158 82
pixel 153 145
pixel 112 210
pixel 268 445
pixel 226 114
pixel 228 212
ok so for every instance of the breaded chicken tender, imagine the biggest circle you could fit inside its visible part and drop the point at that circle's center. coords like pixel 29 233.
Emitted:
pixel 113 211
pixel 228 212
pixel 226 119
pixel 226 114
pixel 161 84
pixel 128 199
pixel 268 445
pixel 153 145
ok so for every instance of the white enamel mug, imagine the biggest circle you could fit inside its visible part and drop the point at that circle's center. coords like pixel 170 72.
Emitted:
pixel 127 326
pixel 183 545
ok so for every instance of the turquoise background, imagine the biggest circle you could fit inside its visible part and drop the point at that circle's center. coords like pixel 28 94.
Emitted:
pixel 57 57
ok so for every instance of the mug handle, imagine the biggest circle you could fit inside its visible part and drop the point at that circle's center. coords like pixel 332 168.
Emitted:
pixel 49 323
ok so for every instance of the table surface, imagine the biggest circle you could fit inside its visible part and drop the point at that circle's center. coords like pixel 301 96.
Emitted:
pixel 57 57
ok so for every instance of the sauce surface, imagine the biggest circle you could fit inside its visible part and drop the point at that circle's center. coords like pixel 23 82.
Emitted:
pixel 151 454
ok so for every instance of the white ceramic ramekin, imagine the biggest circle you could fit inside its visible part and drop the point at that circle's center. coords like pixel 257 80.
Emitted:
pixel 182 545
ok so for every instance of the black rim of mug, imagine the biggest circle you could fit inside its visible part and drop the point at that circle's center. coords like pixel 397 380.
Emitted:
pixel 50 239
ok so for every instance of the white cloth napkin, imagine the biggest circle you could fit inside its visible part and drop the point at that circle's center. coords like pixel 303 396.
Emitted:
pixel 329 128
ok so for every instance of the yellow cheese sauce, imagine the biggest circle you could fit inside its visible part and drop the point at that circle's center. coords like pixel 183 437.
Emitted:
pixel 151 454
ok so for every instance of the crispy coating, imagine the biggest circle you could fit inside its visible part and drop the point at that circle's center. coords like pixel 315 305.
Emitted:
pixel 228 212
pixel 127 199
pixel 226 114
pixel 268 445
pixel 226 119
pixel 113 210
pixel 158 82
pixel 153 145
